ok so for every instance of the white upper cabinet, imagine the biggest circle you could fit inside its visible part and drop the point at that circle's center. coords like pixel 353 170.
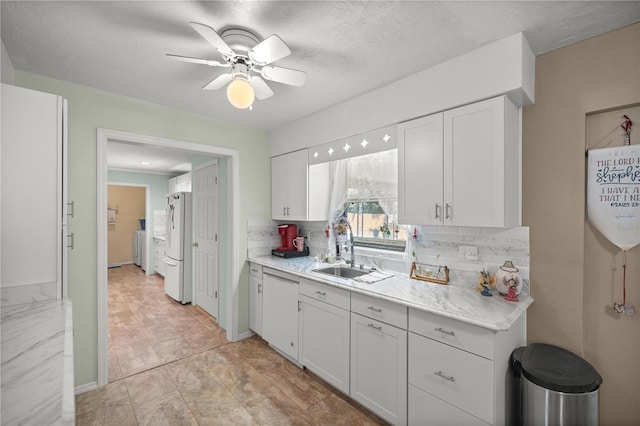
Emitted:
pixel 420 169
pixel 460 167
pixel 180 183
pixel 34 205
pixel 298 192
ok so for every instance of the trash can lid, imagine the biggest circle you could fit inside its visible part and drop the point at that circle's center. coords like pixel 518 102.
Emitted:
pixel 557 369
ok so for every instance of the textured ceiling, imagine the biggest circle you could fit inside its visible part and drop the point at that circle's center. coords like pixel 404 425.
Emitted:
pixel 346 47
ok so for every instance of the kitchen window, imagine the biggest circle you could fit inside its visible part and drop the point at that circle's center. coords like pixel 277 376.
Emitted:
pixel 365 190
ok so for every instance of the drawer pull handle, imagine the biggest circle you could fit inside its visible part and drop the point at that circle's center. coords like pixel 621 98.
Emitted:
pixel 441 330
pixel 449 378
pixel 374 327
pixel 321 293
pixel 375 309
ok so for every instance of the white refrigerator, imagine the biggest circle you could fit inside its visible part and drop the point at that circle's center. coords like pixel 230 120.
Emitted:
pixel 177 258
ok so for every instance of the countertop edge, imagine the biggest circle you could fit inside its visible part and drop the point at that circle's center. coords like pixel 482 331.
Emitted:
pixel 343 283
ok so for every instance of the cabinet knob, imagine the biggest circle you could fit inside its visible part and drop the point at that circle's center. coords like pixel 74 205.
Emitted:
pixel 195 244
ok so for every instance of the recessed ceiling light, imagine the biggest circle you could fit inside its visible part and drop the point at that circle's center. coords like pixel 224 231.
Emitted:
pixel 330 151
pixel 364 143
pixel 346 147
pixel 145 163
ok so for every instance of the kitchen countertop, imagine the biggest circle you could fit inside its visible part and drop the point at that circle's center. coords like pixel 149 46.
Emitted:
pixel 458 302
pixel 37 363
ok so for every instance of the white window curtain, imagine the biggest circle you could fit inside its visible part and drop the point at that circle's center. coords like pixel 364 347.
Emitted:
pixel 372 177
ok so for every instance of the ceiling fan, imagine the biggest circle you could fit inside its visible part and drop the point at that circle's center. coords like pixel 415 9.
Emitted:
pixel 249 60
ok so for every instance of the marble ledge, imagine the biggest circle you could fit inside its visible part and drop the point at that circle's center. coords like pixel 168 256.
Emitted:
pixel 37 384
pixel 462 303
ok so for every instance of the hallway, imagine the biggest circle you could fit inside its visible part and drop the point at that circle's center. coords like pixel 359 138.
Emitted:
pixel 171 364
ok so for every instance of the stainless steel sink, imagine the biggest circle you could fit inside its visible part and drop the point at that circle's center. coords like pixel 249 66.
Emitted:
pixel 342 272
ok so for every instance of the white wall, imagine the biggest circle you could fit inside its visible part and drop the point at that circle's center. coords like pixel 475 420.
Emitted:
pixel 506 66
pixel 7 71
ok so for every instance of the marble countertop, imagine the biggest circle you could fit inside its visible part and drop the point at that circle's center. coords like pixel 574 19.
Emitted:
pixel 37 383
pixel 459 302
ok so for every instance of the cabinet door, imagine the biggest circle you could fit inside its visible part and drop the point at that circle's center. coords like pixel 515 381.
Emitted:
pixel 324 341
pixel 280 314
pixel 255 304
pixel 379 368
pixel 297 169
pixel 279 187
pixel 420 171
pixel 480 164
pixel 33 207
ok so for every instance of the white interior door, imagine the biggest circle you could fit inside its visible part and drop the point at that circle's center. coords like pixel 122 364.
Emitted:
pixel 206 238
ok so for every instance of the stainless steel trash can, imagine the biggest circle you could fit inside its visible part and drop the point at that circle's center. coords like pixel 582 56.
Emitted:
pixel 556 387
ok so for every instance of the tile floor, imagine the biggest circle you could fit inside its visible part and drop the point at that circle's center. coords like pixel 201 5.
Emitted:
pixel 171 364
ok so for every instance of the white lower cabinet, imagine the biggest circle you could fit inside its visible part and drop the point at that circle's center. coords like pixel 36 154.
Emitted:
pixel 158 256
pixel 324 333
pixel 280 311
pixel 379 368
pixel 458 377
pixel 427 410
pixel 457 371
pixel 255 298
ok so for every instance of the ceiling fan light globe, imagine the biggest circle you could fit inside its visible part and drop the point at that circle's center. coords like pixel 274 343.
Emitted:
pixel 240 94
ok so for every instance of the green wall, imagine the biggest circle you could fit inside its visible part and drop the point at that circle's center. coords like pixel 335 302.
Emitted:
pixel 91 109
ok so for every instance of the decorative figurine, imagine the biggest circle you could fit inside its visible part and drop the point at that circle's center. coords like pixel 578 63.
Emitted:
pixel 505 274
pixel 485 280
pixel 512 295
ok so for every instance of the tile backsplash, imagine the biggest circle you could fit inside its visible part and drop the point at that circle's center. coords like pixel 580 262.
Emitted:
pixel 435 244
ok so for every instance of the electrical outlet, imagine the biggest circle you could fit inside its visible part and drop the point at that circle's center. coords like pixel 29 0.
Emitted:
pixel 468 252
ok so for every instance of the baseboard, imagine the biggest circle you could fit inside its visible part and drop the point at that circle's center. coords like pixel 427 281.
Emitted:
pixel 245 335
pixel 86 387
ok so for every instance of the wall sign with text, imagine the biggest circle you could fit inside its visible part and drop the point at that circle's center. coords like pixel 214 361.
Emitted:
pixel 613 194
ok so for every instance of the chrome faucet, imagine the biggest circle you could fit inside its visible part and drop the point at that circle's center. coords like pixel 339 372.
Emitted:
pixel 352 261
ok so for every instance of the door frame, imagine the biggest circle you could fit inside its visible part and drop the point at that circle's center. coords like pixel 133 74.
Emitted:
pixel 232 224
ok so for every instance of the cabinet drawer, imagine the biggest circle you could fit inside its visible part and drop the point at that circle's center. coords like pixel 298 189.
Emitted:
pixel 379 309
pixel 477 340
pixel 326 293
pixel 255 270
pixel 457 377
pixel 427 410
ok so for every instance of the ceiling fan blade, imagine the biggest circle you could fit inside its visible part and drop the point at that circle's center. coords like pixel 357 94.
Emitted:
pixel 213 38
pixel 198 61
pixel 260 88
pixel 269 50
pixel 284 75
pixel 218 82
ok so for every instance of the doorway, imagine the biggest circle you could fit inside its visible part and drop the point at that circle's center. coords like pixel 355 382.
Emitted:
pixel 230 223
pixel 127 206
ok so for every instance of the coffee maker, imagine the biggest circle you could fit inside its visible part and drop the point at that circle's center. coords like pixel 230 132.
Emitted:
pixel 287 233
